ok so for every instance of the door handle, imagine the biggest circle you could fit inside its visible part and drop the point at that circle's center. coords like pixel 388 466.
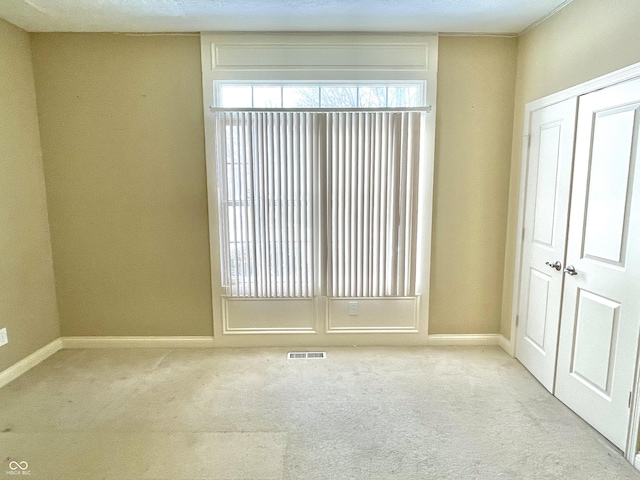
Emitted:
pixel 557 265
pixel 570 270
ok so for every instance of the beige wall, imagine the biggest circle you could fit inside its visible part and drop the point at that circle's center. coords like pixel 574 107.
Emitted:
pixel 586 39
pixel 122 134
pixel 27 296
pixel 121 128
pixel 476 79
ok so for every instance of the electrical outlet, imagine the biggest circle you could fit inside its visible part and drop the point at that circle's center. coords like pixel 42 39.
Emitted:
pixel 353 308
pixel 3 337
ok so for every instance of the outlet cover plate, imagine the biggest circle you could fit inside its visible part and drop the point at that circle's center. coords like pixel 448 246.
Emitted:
pixel 3 337
pixel 353 308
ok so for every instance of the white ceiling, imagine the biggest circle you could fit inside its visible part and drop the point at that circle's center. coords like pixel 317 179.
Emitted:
pixel 462 16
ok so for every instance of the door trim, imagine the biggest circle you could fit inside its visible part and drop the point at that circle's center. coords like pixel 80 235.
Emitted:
pixel 628 73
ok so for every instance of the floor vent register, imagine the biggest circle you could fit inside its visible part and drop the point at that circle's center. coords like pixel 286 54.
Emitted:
pixel 306 355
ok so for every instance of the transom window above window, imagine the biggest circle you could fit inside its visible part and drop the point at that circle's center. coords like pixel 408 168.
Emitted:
pixel 320 95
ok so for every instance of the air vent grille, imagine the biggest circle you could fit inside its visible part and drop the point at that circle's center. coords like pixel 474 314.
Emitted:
pixel 306 355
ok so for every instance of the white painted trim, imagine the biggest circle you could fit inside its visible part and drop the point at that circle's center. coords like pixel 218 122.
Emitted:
pixel 267 303
pixel 476 34
pixel 631 451
pixel 208 342
pixel 546 17
pixel 517 269
pixel 622 75
pixel 464 340
pixel 27 363
pixel 331 329
pixel 506 345
pixel 628 73
pixel 424 69
pixel 137 342
pixel 279 56
pixel 342 330
pixel 296 52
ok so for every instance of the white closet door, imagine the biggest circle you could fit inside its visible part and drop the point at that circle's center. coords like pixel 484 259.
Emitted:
pixel 601 303
pixel 546 209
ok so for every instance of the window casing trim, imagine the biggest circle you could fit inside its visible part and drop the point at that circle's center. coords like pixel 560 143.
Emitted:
pixel 377 69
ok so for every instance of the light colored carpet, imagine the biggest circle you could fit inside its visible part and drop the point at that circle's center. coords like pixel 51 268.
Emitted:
pixel 363 413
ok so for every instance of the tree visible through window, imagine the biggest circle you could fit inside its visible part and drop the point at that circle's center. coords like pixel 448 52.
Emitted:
pixel 240 95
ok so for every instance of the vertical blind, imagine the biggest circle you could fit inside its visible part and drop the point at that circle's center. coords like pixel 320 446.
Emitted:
pixel 266 165
pixel 334 191
pixel 372 184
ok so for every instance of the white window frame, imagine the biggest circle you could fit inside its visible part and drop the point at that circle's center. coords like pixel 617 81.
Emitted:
pixel 322 58
pixel 357 85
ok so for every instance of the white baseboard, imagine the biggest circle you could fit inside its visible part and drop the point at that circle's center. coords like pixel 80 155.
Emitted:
pixel 137 342
pixel 207 342
pixel 506 345
pixel 636 462
pixel 464 340
pixel 27 363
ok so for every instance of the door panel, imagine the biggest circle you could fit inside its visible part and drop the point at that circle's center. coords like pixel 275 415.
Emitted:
pixel 601 306
pixel 538 307
pixel 595 339
pixel 547 184
pixel 546 209
pixel 613 136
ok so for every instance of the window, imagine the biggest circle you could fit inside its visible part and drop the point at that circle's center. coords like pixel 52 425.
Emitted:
pixel 327 95
pixel 319 164
pixel 270 166
pixel 266 164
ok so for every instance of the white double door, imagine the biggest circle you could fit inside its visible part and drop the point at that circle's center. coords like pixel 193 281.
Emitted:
pixel 579 308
